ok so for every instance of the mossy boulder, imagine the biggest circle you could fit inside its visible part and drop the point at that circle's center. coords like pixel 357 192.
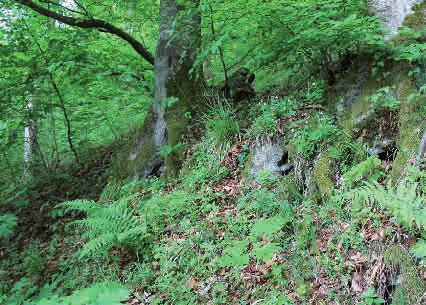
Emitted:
pixel 411 127
pixel 409 286
pixel 402 125
pixel 323 174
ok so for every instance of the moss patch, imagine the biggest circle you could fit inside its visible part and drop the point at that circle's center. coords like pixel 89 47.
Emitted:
pixel 411 126
pixel 323 175
pixel 412 286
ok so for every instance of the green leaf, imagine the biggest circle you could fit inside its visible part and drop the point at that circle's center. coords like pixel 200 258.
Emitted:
pixel 419 249
pixel 265 252
pixel 268 227
pixel 233 254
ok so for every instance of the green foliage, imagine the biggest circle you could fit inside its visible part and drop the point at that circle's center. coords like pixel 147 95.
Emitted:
pixel 105 293
pixel 234 254
pixel 308 35
pixel 7 224
pixel 33 262
pixel 221 123
pixel 405 203
pixel 268 115
pixel 369 168
pixel 116 224
pixel 315 136
pixel 370 297
pixel 167 150
pixel 267 227
pixel 21 290
pixel 409 51
pixel 383 98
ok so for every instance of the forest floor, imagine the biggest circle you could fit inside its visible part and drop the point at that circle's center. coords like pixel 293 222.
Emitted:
pixel 217 234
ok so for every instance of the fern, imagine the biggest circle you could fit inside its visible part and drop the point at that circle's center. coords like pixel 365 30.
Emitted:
pixel 7 224
pixel 105 293
pixel 116 224
pixel 406 202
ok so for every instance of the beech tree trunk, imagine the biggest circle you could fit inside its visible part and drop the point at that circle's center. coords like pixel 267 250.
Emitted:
pixel 174 59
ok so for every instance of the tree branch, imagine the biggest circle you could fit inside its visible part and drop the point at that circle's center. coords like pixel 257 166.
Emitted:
pixel 92 23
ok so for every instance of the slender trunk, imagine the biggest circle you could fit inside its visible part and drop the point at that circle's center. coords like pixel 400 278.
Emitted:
pixel 422 147
pixel 221 54
pixel 55 151
pixel 31 144
pixel 66 117
pixel 29 133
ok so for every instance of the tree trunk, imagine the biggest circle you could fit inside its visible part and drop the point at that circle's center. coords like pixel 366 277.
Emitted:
pixel 174 60
pixel 29 139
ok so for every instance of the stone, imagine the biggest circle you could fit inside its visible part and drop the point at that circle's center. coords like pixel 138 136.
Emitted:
pixel 240 85
pixel 270 155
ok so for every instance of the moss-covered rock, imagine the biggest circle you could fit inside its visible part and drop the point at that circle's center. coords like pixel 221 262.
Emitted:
pixel 409 285
pixel 402 126
pixel 323 174
pixel 411 126
pixel 417 20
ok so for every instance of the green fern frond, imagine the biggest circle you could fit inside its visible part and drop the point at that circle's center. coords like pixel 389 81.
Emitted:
pixel 404 202
pixel 115 224
pixel 105 293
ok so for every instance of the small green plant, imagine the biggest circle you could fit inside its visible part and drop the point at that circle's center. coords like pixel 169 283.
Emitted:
pixel 370 168
pixel 167 150
pixel 105 293
pixel 370 297
pixel 316 135
pixel 221 124
pixel 170 101
pixel 267 115
pixel 8 223
pixel 115 224
pixel 384 97
pixel 235 254
pixel 33 262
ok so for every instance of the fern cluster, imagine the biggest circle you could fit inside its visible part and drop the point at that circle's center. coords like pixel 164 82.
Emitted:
pixel 116 224
pixel 7 224
pixel 406 202
pixel 105 293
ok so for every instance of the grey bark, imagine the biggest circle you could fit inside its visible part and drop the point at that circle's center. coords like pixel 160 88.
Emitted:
pixel 422 147
pixel 174 59
pixel 29 136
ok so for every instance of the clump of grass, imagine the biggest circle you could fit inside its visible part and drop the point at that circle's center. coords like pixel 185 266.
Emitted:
pixel 221 124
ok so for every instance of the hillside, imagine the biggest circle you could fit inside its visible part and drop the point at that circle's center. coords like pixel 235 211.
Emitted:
pixel 294 176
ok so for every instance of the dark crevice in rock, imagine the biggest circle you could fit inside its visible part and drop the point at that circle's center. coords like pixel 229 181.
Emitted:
pixel 386 151
pixel 284 159
pixel 388 154
pixel 285 165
